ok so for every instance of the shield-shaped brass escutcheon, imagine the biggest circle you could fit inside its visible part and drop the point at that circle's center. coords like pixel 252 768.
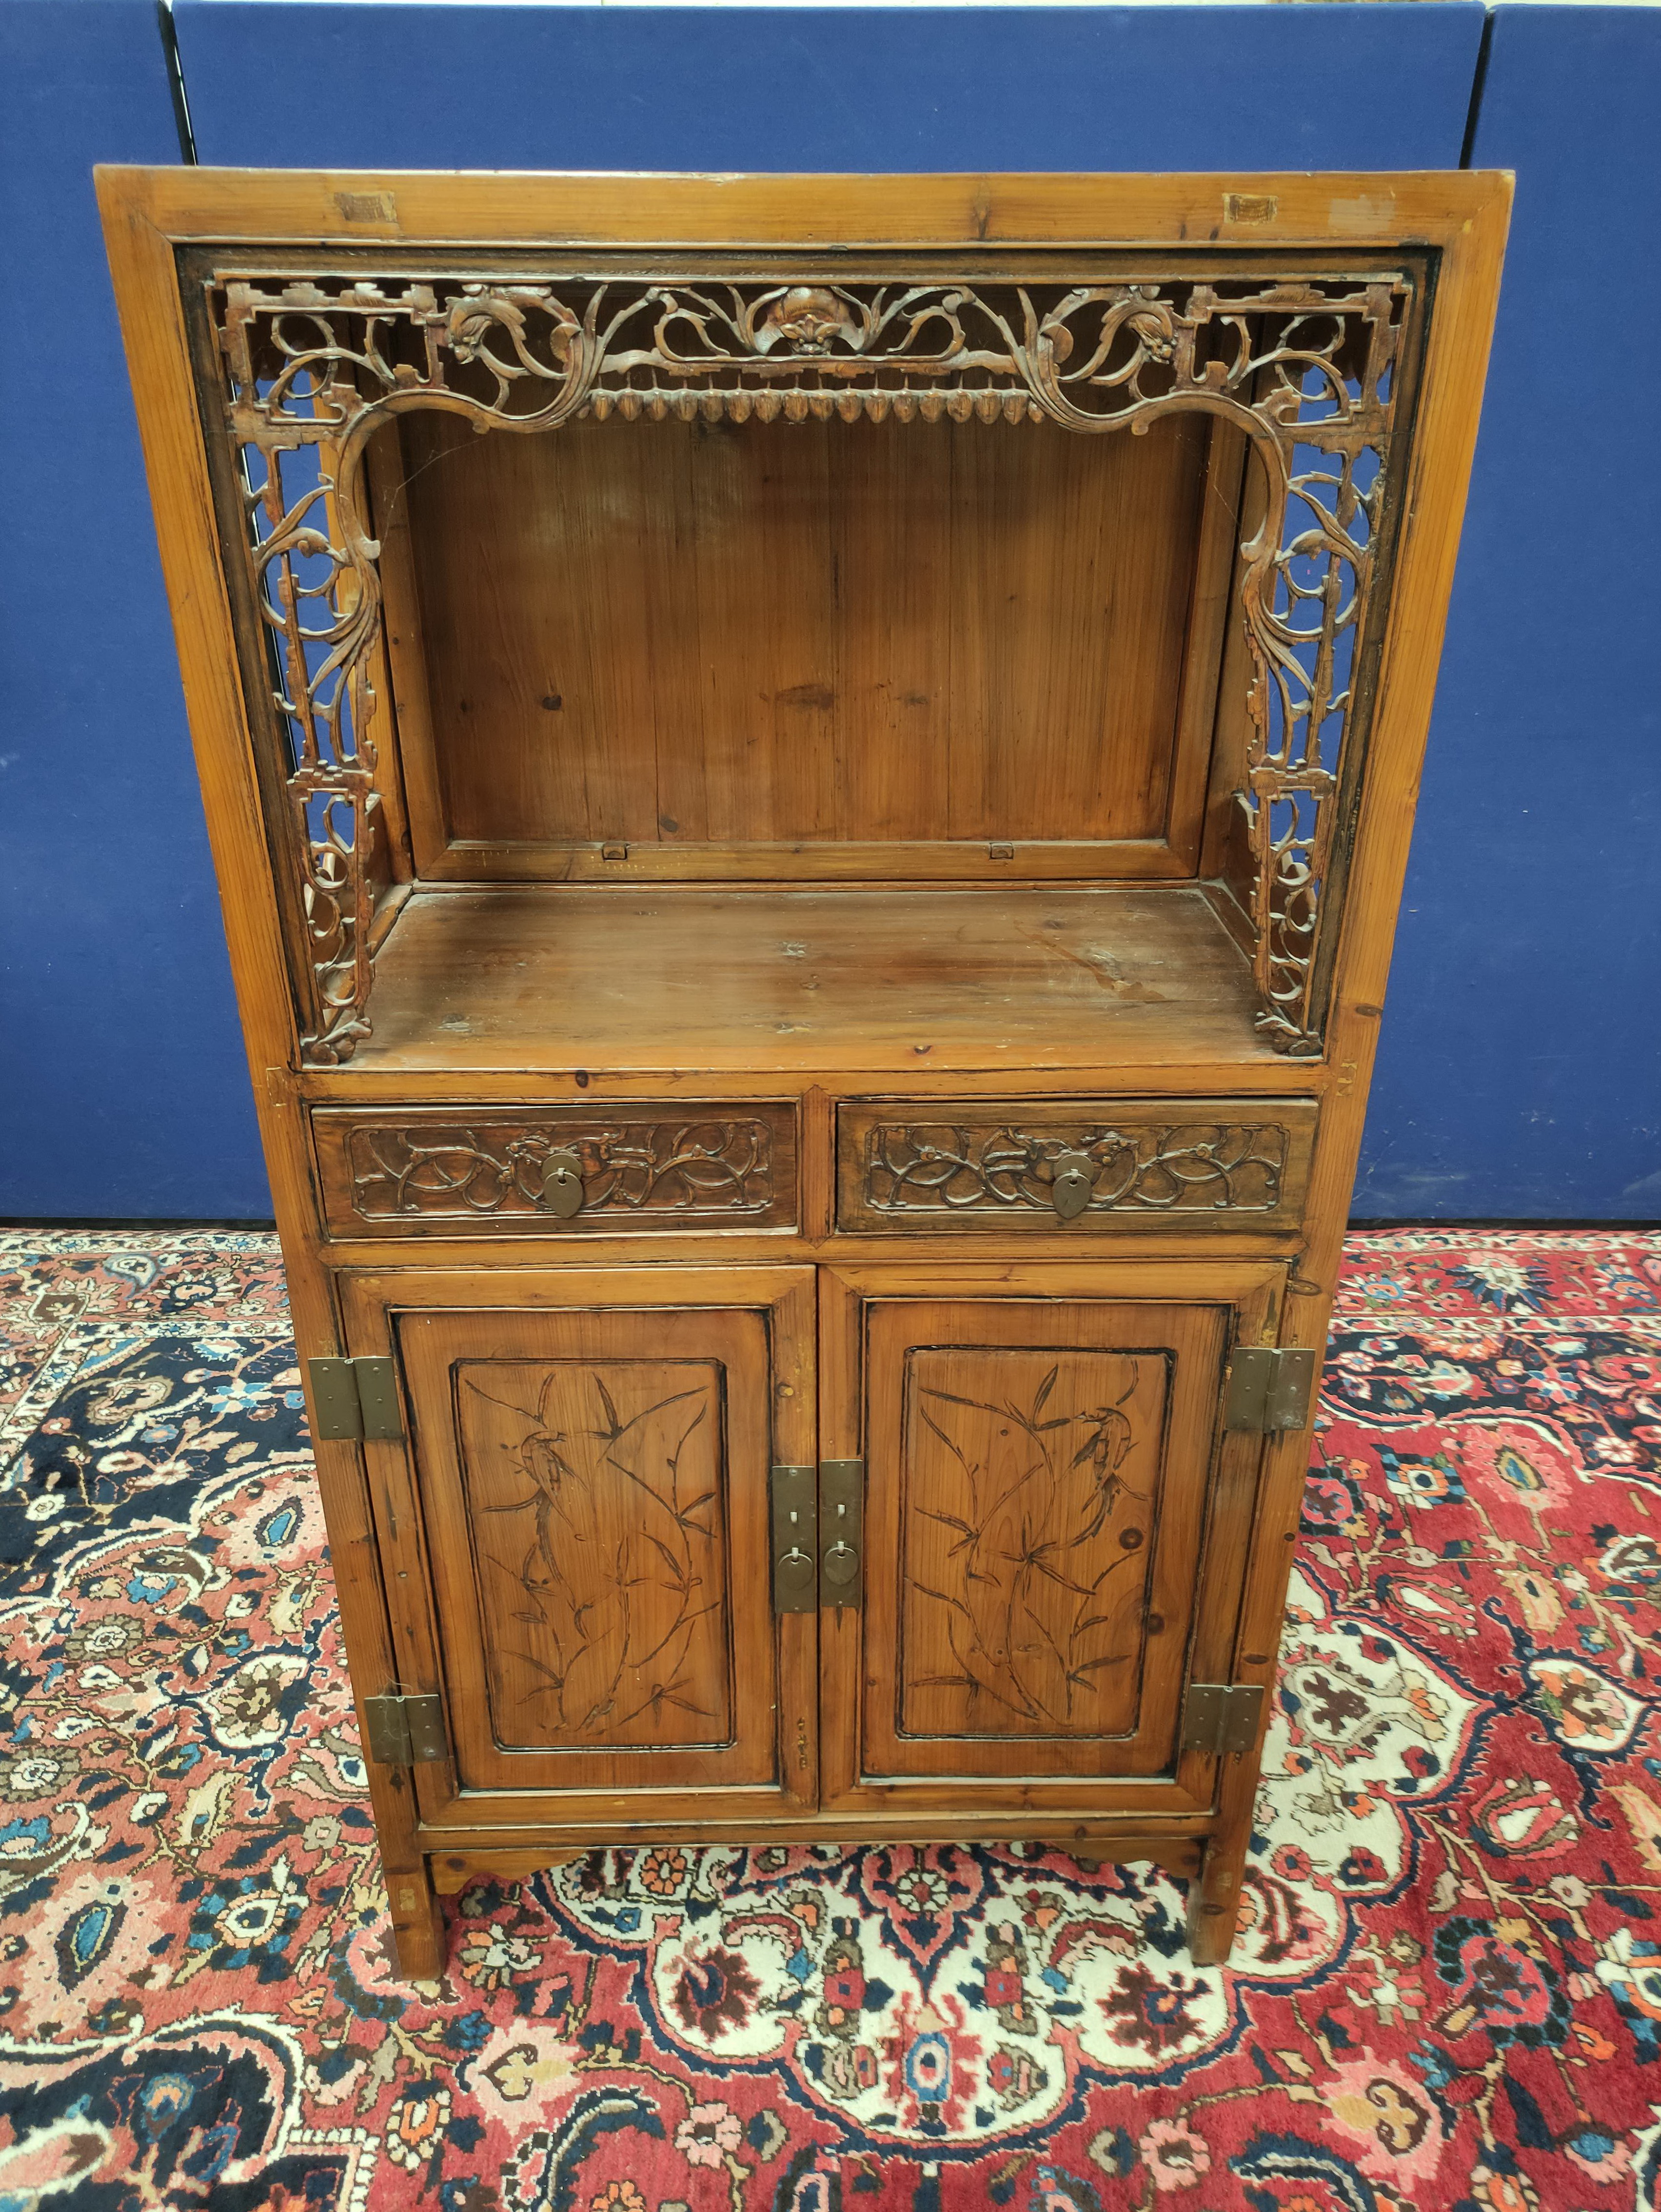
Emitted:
pixel 1073 1182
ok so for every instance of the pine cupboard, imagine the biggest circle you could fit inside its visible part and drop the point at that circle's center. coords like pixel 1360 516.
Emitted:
pixel 810 777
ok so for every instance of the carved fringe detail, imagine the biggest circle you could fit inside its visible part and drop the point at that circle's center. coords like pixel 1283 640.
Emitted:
pixel 655 406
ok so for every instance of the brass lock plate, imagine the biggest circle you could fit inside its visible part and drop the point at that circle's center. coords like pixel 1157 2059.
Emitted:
pixel 795 1541
pixel 842 1541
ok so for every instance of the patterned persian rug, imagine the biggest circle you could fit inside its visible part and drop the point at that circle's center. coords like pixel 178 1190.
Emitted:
pixel 1448 1996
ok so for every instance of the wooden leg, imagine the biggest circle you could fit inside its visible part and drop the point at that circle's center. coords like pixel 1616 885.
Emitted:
pixel 1213 1903
pixel 418 1942
pixel 453 1870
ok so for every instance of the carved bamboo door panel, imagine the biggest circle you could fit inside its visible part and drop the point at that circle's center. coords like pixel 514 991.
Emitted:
pixel 1044 1477
pixel 586 1484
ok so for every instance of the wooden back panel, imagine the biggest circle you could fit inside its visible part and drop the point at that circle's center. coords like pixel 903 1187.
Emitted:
pixel 712 635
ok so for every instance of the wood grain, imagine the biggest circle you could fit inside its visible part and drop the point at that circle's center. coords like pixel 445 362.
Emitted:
pixel 947 1377
pixel 594 1493
pixel 808 980
pixel 708 635
pixel 1029 1477
pixel 1104 214
pixel 454 1871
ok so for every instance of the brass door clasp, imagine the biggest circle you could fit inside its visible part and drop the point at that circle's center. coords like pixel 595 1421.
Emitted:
pixel 842 1516
pixel 795 1539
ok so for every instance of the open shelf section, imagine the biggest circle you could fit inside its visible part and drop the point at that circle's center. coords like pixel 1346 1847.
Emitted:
pixel 802 982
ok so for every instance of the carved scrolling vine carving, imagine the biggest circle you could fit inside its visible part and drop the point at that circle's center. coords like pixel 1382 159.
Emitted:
pixel 668 1169
pixel 1306 370
pixel 914 1169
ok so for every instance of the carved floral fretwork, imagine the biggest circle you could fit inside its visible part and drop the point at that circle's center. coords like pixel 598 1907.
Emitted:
pixel 1305 369
pixel 913 1171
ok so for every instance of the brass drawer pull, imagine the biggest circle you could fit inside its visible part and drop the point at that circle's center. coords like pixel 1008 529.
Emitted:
pixel 562 1184
pixel 1073 1182
pixel 794 1577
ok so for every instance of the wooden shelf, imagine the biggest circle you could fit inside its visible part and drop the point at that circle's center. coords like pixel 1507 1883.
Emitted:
pixel 802 982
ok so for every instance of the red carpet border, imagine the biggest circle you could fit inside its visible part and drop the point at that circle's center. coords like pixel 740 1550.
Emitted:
pixel 1448 1998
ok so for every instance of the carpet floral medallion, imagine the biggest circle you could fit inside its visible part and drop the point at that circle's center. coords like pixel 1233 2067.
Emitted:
pixel 1447 1994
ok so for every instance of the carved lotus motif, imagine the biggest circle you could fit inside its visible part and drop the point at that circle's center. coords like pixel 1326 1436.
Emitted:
pixel 806 319
pixel 1153 327
pixel 479 316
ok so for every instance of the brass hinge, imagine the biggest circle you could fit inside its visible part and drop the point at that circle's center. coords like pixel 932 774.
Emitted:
pixel 1221 1718
pixel 1269 1391
pixel 795 1539
pixel 355 1398
pixel 405 1731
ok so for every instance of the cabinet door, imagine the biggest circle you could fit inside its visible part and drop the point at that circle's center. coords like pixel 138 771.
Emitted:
pixel 576 1537
pixel 1054 1530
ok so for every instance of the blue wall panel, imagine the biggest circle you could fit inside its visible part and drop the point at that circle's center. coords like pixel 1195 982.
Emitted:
pixel 1501 1091
pixel 125 1091
pixel 1520 1068
pixel 1385 86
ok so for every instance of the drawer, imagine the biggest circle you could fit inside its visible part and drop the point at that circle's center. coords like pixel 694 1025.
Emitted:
pixel 1084 1164
pixel 410 1172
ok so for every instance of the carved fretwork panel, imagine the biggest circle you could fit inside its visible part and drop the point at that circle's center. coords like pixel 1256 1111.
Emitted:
pixel 594 1495
pixel 1030 1480
pixel 1307 369
pixel 318 593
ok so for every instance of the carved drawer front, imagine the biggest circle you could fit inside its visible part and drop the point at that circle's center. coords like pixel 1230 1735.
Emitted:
pixel 538 1170
pixel 1085 1164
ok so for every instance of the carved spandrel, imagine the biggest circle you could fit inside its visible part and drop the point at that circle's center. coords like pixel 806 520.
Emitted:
pixel 458 1170
pixel 595 1502
pixel 1028 1531
pixel 920 1168
pixel 1305 369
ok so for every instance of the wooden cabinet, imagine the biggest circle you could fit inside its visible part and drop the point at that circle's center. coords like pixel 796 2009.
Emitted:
pixel 811 778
